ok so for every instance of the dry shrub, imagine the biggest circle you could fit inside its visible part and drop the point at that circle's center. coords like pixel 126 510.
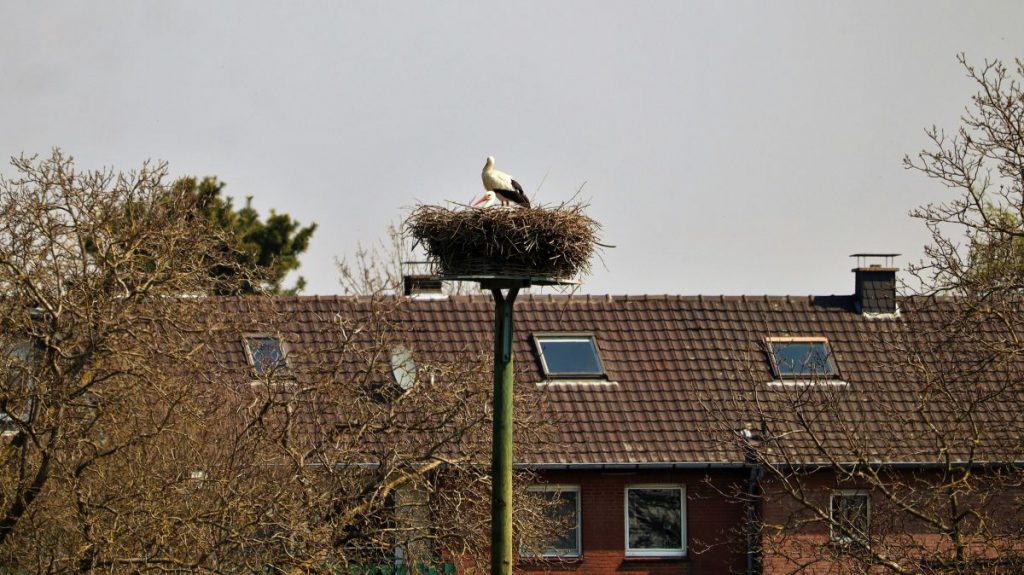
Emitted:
pixel 556 242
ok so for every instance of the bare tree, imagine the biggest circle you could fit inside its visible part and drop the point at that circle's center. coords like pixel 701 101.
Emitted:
pixel 976 236
pixel 380 268
pixel 918 471
pixel 100 276
pixel 138 439
pixel 914 472
pixel 376 269
pixel 374 460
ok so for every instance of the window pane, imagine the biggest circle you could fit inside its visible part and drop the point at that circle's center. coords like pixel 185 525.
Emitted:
pixel 17 382
pixel 20 351
pixel 561 506
pixel 266 354
pixel 16 366
pixel 570 355
pixel 655 519
pixel 850 513
pixel 803 358
pixel 565 511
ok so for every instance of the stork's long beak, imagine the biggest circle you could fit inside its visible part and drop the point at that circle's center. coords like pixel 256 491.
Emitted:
pixel 480 201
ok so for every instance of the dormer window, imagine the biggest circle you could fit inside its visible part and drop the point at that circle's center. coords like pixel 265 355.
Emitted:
pixel 266 355
pixel 569 356
pixel 806 358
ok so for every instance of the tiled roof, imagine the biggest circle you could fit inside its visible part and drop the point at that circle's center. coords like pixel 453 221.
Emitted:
pixel 683 370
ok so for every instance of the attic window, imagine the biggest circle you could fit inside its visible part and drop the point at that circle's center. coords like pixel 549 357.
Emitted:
pixel 801 358
pixel 265 354
pixel 569 355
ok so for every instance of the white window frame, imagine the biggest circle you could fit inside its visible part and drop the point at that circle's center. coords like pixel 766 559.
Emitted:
pixel 570 336
pixel 561 488
pixel 839 538
pixel 668 552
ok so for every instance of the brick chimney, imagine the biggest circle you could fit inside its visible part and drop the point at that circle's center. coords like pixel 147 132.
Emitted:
pixel 875 284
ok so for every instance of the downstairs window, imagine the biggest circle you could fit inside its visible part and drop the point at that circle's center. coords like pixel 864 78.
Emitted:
pixel 849 511
pixel 565 510
pixel 655 521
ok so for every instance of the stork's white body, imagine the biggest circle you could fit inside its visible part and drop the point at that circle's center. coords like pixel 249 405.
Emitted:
pixel 502 184
pixel 495 179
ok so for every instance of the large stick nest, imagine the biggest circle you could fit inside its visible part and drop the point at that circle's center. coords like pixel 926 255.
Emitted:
pixel 556 242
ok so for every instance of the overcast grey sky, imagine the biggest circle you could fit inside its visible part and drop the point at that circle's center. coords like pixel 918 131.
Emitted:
pixel 727 147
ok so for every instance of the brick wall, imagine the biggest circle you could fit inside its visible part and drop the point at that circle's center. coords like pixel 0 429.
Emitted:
pixel 714 541
pixel 899 536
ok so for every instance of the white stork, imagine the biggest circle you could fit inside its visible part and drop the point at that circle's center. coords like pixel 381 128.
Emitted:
pixel 488 200
pixel 501 185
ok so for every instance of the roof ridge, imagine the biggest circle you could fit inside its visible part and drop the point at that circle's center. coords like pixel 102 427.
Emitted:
pixel 585 298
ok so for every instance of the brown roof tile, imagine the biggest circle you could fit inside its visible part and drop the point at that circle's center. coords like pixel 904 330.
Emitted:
pixel 682 364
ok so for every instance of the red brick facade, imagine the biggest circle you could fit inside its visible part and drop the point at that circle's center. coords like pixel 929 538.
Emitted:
pixel 715 525
pixel 899 536
pixel 714 540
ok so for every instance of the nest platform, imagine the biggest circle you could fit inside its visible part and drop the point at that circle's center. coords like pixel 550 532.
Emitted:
pixel 541 246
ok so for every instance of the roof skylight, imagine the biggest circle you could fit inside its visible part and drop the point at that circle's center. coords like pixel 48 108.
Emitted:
pixel 265 354
pixel 569 355
pixel 801 357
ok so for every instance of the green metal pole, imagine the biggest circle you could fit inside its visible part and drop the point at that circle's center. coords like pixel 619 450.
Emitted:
pixel 501 454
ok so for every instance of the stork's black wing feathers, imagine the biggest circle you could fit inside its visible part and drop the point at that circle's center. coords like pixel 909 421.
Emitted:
pixel 520 198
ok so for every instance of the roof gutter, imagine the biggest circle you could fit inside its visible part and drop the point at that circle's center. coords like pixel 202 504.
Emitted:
pixel 632 466
pixel 846 465
pixel 725 465
pixel 808 466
